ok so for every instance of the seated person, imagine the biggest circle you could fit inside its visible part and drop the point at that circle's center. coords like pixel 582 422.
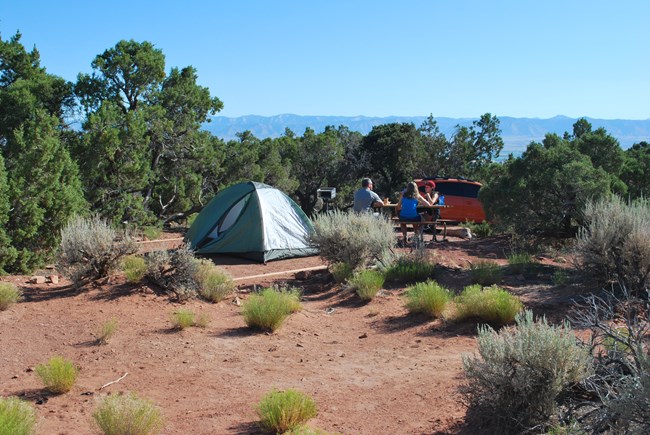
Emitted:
pixel 432 196
pixel 407 208
pixel 365 199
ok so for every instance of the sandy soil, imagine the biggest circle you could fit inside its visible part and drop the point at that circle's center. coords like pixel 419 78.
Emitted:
pixel 371 368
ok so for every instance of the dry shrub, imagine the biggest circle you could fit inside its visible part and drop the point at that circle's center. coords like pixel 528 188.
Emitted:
pixel 268 309
pixel 515 383
pixel 9 295
pixel 614 244
pixel 214 283
pixel 120 414
pixel 281 411
pixel 58 375
pixel 491 304
pixel 91 250
pixel 357 239
pixel 174 272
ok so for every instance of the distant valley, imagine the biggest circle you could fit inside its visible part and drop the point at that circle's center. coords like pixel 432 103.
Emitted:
pixel 517 133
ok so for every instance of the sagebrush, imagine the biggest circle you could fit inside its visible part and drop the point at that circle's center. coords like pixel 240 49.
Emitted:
pixel 175 272
pixel 614 243
pixel 514 383
pixel 91 250
pixel 357 239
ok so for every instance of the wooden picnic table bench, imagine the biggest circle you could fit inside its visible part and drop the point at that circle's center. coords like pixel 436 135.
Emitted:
pixel 394 218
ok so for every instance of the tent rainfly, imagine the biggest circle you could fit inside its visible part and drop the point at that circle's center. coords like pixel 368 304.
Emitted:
pixel 252 220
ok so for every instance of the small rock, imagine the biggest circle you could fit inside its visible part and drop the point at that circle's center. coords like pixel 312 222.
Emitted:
pixel 14 377
pixel 37 279
pixel 54 279
pixel 364 335
pixel 236 301
pixel 29 369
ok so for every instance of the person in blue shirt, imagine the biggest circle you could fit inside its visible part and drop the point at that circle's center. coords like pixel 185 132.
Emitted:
pixel 407 208
pixel 365 199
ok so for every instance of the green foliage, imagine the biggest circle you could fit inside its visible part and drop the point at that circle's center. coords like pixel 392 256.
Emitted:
pixel 636 169
pixel 214 283
pixel 544 190
pixel 410 268
pixel 151 232
pixel 135 268
pixel 614 244
pixel 182 319
pixel 8 253
pixel 58 374
pixel 202 321
pixel 106 331
pixel 519 262
pixel 282 411
pixel 91 250
pixel 515 383
pixel 560 277
pixel 484 229
pixel 341 271
pixel 427 297
pixel 269 308
pixel 367 283
pixel 17 417
pixel 491 304
pixel 9 295
pixel 356 239
pixel 127 414
pixel 485 272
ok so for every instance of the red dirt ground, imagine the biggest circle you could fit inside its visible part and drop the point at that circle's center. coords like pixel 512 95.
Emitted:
pixel 371 368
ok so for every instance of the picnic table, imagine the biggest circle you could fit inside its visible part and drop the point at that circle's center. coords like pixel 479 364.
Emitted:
pixel 394 217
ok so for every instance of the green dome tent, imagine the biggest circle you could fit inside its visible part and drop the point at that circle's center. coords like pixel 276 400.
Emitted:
pixel 252 220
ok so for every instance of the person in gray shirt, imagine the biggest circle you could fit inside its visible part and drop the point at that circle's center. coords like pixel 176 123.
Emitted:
pixel 365 199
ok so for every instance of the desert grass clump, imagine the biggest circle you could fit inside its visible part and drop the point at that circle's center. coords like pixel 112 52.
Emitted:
pixel 427 297
pixel 491 304
pixel 9 295
pixel 367 283
pixel 560 277
pixel 357 239
pixel 58 374
pixel 151 232
pixel 202 321
pixel 282 411
pixel 17 417
pixel 182 319
pixel 91 250
pixel 411 268
pixel 514 383
pixel 341 272
pixel 484 229
pixel 485 272
pixel 106 331
pixel 519 262
pixel 614 244
pixel 134 267
pixel 213 282
pixel 268 309
pixel 127 414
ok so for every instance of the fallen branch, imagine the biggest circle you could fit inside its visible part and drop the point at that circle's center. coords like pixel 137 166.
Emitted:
pixel 114 382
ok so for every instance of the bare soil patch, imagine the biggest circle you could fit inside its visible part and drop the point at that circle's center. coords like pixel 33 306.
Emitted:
pixel 371 368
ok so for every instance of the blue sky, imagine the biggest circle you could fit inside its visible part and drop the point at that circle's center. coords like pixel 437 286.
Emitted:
pixel 457 58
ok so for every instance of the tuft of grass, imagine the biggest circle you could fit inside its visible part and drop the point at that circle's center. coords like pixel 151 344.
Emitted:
pixel 269 308
pixel 214 283
pixel 367 283
pixel 410 269
pixel 202 321
pixel 560 277
pixel 492 304
pixel 106 331
pixel 134 267
pixel 17 417
pixel 58 375
pixel 9 295
pixel 152 232
pixel 484 229
pixel 282 411
pixel 182 319
pixel 341 272
pixel 519 262
pixel 128 414
pixel 427 297
pixel 485 272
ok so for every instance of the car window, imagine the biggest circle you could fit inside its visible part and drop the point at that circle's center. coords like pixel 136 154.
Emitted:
pixel 458 189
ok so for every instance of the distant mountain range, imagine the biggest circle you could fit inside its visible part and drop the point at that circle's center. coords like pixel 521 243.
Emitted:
pixel 517 133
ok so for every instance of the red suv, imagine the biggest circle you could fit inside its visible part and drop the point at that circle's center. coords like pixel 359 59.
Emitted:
pixel 461 194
